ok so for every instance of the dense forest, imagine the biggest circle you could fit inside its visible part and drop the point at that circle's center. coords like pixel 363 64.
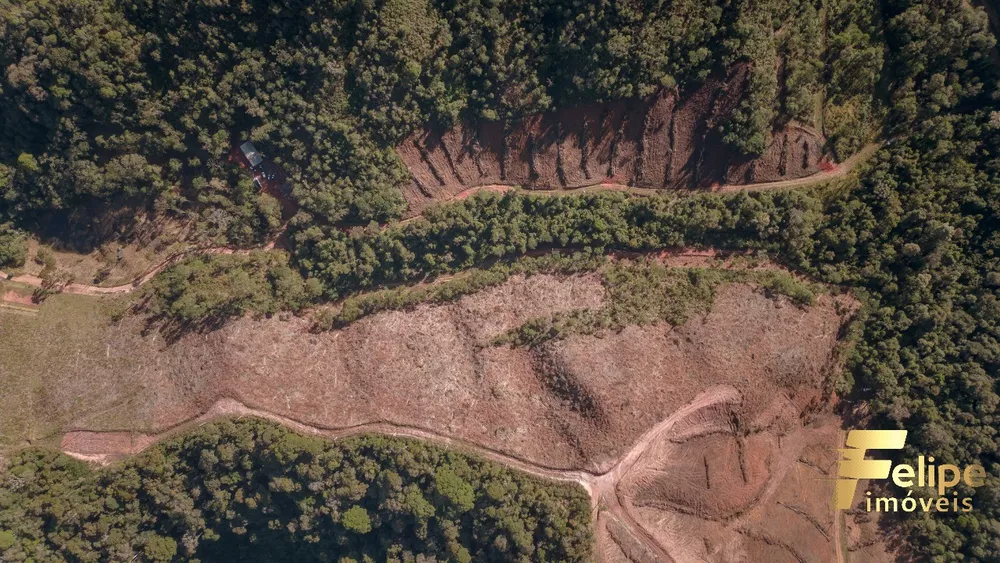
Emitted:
pixel 141 103
pixel 137 105
pixel 250 490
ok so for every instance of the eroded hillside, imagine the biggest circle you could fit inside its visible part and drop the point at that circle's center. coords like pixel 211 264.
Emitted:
pixel 695 438
pixel 575 403
pixel 664 141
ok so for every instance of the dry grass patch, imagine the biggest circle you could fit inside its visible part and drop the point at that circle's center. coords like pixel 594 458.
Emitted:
pixel 575 403
pixel 65 339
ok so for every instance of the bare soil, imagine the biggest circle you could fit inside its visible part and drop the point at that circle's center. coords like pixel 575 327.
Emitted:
pixel 545 164
pixel 579 403
pixel 12 296
pixel 604 122
pixel 725 495
pixel 574 126
pixel 707 441
pixel 656 141
pixel 664 141
pixel 458 143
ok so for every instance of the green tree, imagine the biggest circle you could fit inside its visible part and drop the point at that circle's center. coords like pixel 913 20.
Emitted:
pixel 356 520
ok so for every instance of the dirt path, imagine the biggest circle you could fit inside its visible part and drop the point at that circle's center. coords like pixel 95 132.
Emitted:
pixel 602 487
pixel 837 516
pixel 837 171
pixel 84 289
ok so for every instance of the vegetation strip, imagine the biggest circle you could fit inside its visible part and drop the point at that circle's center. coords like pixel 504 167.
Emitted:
pixel 200 495
pixel 223 453
pixel 651 293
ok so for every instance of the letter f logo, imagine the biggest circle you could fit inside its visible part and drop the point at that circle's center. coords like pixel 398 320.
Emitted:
pixel 854 466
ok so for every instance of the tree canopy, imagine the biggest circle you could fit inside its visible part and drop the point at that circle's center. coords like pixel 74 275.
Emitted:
pixel 140 102
pixel 249 490
pixel 143 99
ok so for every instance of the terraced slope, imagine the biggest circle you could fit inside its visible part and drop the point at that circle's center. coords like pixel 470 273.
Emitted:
pixel 661 142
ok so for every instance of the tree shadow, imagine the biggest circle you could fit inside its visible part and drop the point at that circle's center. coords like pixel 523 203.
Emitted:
pixel 90 225
pixel 173 329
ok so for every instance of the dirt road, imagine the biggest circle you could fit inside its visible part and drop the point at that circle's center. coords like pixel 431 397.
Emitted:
pixel 837 517
pixel 602 487
pixel 836 172
pixel 83 289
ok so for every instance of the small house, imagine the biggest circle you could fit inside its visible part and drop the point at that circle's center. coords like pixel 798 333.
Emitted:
pixel 267 174
pixel 250 153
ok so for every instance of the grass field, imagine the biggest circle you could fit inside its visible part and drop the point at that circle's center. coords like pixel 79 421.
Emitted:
pixel 109 265
pixel 34 353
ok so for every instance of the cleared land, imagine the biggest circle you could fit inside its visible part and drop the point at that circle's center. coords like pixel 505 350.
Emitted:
pixel 577 403
pixel 695 441
pixel 662 142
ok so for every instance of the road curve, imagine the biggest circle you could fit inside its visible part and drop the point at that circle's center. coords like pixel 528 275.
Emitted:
pixel 602 487
pixel 83 289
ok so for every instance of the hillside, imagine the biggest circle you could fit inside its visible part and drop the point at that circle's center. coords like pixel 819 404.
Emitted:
pixel 509 332
pixel 132 120
pixel 666 141
pixel 743 355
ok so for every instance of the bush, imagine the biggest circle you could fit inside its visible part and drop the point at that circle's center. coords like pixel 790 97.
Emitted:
pixel 13 247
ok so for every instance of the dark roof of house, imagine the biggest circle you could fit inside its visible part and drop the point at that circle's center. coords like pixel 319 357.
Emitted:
pixel 250 152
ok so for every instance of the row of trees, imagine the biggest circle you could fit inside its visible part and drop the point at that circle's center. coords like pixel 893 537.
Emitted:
pixel 249 490
pixel 488 226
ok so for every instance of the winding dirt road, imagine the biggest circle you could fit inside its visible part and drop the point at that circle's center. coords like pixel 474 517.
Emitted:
pixel 84 289
pixel 602 487
pixel 838 171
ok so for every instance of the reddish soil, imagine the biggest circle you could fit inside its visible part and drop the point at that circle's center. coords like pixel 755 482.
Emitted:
pixel 696 441
pixel 11 296
pixel 574 127
pixel 420 169
pixel 459 144
pixel 575 404
pixel 518 148
pixel 602 130
pixel 639 376
pixel 545 152
pixel 656 141
pixel 628 143
pixel 688 129
pixel 659 142
pixel 729 493
pixel 796 152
